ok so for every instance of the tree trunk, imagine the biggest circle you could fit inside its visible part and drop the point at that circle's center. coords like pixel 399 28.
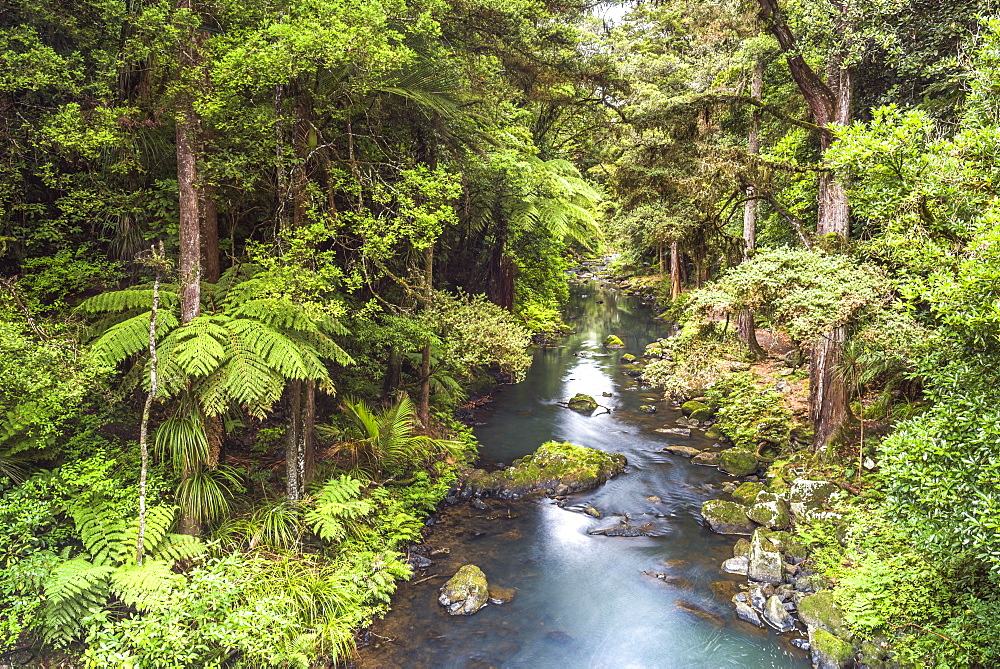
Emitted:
pixel 294 437
pixel 190 225
pixel 663 259
pixel 424 405
pixel 746 328
pixel 189 231
pixel 829 102
pixel 827 392
pixel 675 270
pixel 211 269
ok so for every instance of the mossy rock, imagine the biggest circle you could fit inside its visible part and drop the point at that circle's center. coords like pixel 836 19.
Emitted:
pixel 714 433
pixel 738 462
pixel 706 459
pixel 726 517
pixel 691 406
pixel 770 511
pixel 466 592
pixel 820 610
pixel 747 492
pixel 702 415
pixel 742 547
pixel 647 408
pixel 561 467
pixel 829 652
pixel 613 341
pixel 628 359
pixel 581 402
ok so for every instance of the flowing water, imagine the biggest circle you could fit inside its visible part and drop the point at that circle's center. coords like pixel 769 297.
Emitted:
pixel 584 600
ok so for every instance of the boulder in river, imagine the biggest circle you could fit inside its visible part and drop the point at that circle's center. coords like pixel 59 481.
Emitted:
pixel 683 451
pixel 647 408
pixel 555 466
pixel 581 402
pixel 623 529
pixel 628 359
pixel 466 592
pixel 613 341
pixel 745 613
pixel 747 492
pixel 770 511
pixel 726 517
pixel 736 565
pixel 738 461
pixel 706 459
pixel 688 408
pixel 776 616
pixel 765 562
pixel 828 651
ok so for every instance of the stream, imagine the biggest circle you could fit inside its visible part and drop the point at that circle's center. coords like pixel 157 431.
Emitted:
pixel 583 600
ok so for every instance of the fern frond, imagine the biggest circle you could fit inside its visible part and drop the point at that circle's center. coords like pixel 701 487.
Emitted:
pixel 73 589
pixel 101 533
pixel 131 336
pixel 130 298
pixel 337 503
pixel 159 520
pixel 144 586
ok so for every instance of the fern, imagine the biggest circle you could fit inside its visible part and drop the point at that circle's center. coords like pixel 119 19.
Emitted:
pixel 80 586
pixel 337 504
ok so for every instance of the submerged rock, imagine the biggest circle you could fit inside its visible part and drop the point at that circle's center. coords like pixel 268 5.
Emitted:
pixel 683 451
pixel 501 595
pixel 466 592
pixel 624 529
pixel 560 467
pixel 726 517
pixel 581 402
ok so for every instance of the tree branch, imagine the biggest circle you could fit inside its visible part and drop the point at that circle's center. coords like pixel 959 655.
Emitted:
pixel 792 219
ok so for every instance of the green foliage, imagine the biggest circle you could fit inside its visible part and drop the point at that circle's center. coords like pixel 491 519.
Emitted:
pixel 77 587
pixel 337 504
pixel 749 414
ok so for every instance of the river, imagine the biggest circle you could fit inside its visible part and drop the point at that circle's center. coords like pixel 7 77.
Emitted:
pixel 583 600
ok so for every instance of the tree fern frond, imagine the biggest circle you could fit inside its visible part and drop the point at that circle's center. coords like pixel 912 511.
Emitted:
pixel 129 337
pixel 131 298
pixel 73 589
pixel 101 532
pixel 144 586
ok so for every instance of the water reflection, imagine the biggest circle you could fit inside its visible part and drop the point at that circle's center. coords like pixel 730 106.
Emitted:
pixel 584 600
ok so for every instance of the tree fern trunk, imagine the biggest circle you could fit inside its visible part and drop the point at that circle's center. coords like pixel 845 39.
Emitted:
pixel 294 457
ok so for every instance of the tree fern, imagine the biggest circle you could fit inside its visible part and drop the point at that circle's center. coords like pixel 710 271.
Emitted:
pixel 80 586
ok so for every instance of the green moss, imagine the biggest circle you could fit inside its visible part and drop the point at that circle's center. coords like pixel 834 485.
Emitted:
pixel 554 465
pixel 628 359
pixel 738 462
pixel 726 517
pixel 702 414
pixel 742 547
pixel 714 433
pixel 690 407
pixel 581 402
pixel 746 492
pixel 833 651
pixel 821 611
pixel 613 341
